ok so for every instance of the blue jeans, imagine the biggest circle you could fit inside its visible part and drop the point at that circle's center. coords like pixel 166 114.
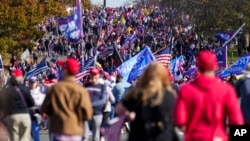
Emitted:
pixel 35 128
pixel 112 113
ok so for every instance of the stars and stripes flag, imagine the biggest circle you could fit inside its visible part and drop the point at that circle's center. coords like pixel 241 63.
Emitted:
pixel 164 56
pixel 86 65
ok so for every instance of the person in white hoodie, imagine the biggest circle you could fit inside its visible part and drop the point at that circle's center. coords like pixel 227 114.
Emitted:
pixel 38 98
pixel 110 100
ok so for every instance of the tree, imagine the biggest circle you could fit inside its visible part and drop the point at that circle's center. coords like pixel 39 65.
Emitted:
pixel 211 16
pixel 18 21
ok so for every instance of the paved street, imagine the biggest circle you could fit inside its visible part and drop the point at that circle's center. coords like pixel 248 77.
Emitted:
pixel 45 137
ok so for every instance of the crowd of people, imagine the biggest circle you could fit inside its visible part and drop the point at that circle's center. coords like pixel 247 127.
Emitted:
pixel 155 105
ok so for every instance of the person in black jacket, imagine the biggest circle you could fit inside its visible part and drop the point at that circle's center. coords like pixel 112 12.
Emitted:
pixel 15 101
pixel 149 106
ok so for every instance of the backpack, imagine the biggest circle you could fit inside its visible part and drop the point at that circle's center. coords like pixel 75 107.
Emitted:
pixel 156 121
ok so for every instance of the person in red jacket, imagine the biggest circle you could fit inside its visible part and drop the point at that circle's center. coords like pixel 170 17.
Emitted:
pixel 204 104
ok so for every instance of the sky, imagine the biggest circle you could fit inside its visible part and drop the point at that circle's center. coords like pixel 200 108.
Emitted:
pixel 110 3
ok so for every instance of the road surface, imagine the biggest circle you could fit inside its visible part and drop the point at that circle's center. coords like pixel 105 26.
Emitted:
pixel 45 137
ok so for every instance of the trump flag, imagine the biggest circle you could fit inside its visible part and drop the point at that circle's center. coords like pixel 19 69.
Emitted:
pixel 133 67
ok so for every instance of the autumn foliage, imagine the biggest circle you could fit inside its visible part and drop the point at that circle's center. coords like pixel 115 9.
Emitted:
pixel 19 20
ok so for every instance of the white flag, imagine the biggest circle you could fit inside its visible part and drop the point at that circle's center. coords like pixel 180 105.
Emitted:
pixel 25 54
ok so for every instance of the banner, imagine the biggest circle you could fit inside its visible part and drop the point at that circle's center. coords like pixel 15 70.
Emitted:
pixel 40 68
pixel 176 66
pixel 113 131
pixel 1 62
pixel 133 67
pixel 237 67
pixel 223 36
pixel 191 72
pixel 234 35
pixel 72 25
pixel 25 54
pixel 221 54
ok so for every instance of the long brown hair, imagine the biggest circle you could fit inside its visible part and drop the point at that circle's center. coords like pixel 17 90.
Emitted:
pixel 151 83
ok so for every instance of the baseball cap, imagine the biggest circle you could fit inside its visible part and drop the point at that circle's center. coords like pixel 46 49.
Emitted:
pixel 206 60
pixel 17 73
pixel 72 66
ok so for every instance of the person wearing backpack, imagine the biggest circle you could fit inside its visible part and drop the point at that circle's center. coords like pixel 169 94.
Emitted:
pixel 204 105
pixel 149 106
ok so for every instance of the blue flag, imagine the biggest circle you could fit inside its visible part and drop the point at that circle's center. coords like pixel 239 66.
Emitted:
pixel 1 62
pixel 223 36
pixel 190 72
pixel 85 64
pixel 221 54
pixel 237 67
pixel 177 65
pixel 1 66
pixel 134 67
pixel 72 25
pixel 41 67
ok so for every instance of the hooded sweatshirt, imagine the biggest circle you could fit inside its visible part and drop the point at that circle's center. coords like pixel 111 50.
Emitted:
pixel 203 105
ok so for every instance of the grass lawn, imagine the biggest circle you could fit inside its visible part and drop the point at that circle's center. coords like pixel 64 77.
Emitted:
pixel 232 55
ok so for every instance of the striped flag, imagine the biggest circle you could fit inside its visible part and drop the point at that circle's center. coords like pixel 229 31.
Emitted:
pixel 85 67
pixel 164 56
pixel 41 67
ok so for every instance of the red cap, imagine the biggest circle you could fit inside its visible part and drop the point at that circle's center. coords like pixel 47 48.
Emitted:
pixel 94 71
pixel 17 73
pixel 72 66
pixel 60 63
pixel 207 60
pixel 106 75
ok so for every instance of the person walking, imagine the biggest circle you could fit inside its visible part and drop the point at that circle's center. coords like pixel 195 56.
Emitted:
pixel 120 88
pixel 204 104
pixel 98 95
pixel 16 99
pixel 242 87
pixel 68 105
pixel 35 112
pixel 149 106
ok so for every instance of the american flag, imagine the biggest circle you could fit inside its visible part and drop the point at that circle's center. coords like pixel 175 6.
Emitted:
pixel 85 67
pixel 164 56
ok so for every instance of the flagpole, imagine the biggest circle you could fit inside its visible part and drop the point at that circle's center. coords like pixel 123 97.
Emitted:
pixel 235 33
pixel 225 45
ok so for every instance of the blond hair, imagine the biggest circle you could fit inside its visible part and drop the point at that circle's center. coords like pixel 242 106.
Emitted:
pixel 152 83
